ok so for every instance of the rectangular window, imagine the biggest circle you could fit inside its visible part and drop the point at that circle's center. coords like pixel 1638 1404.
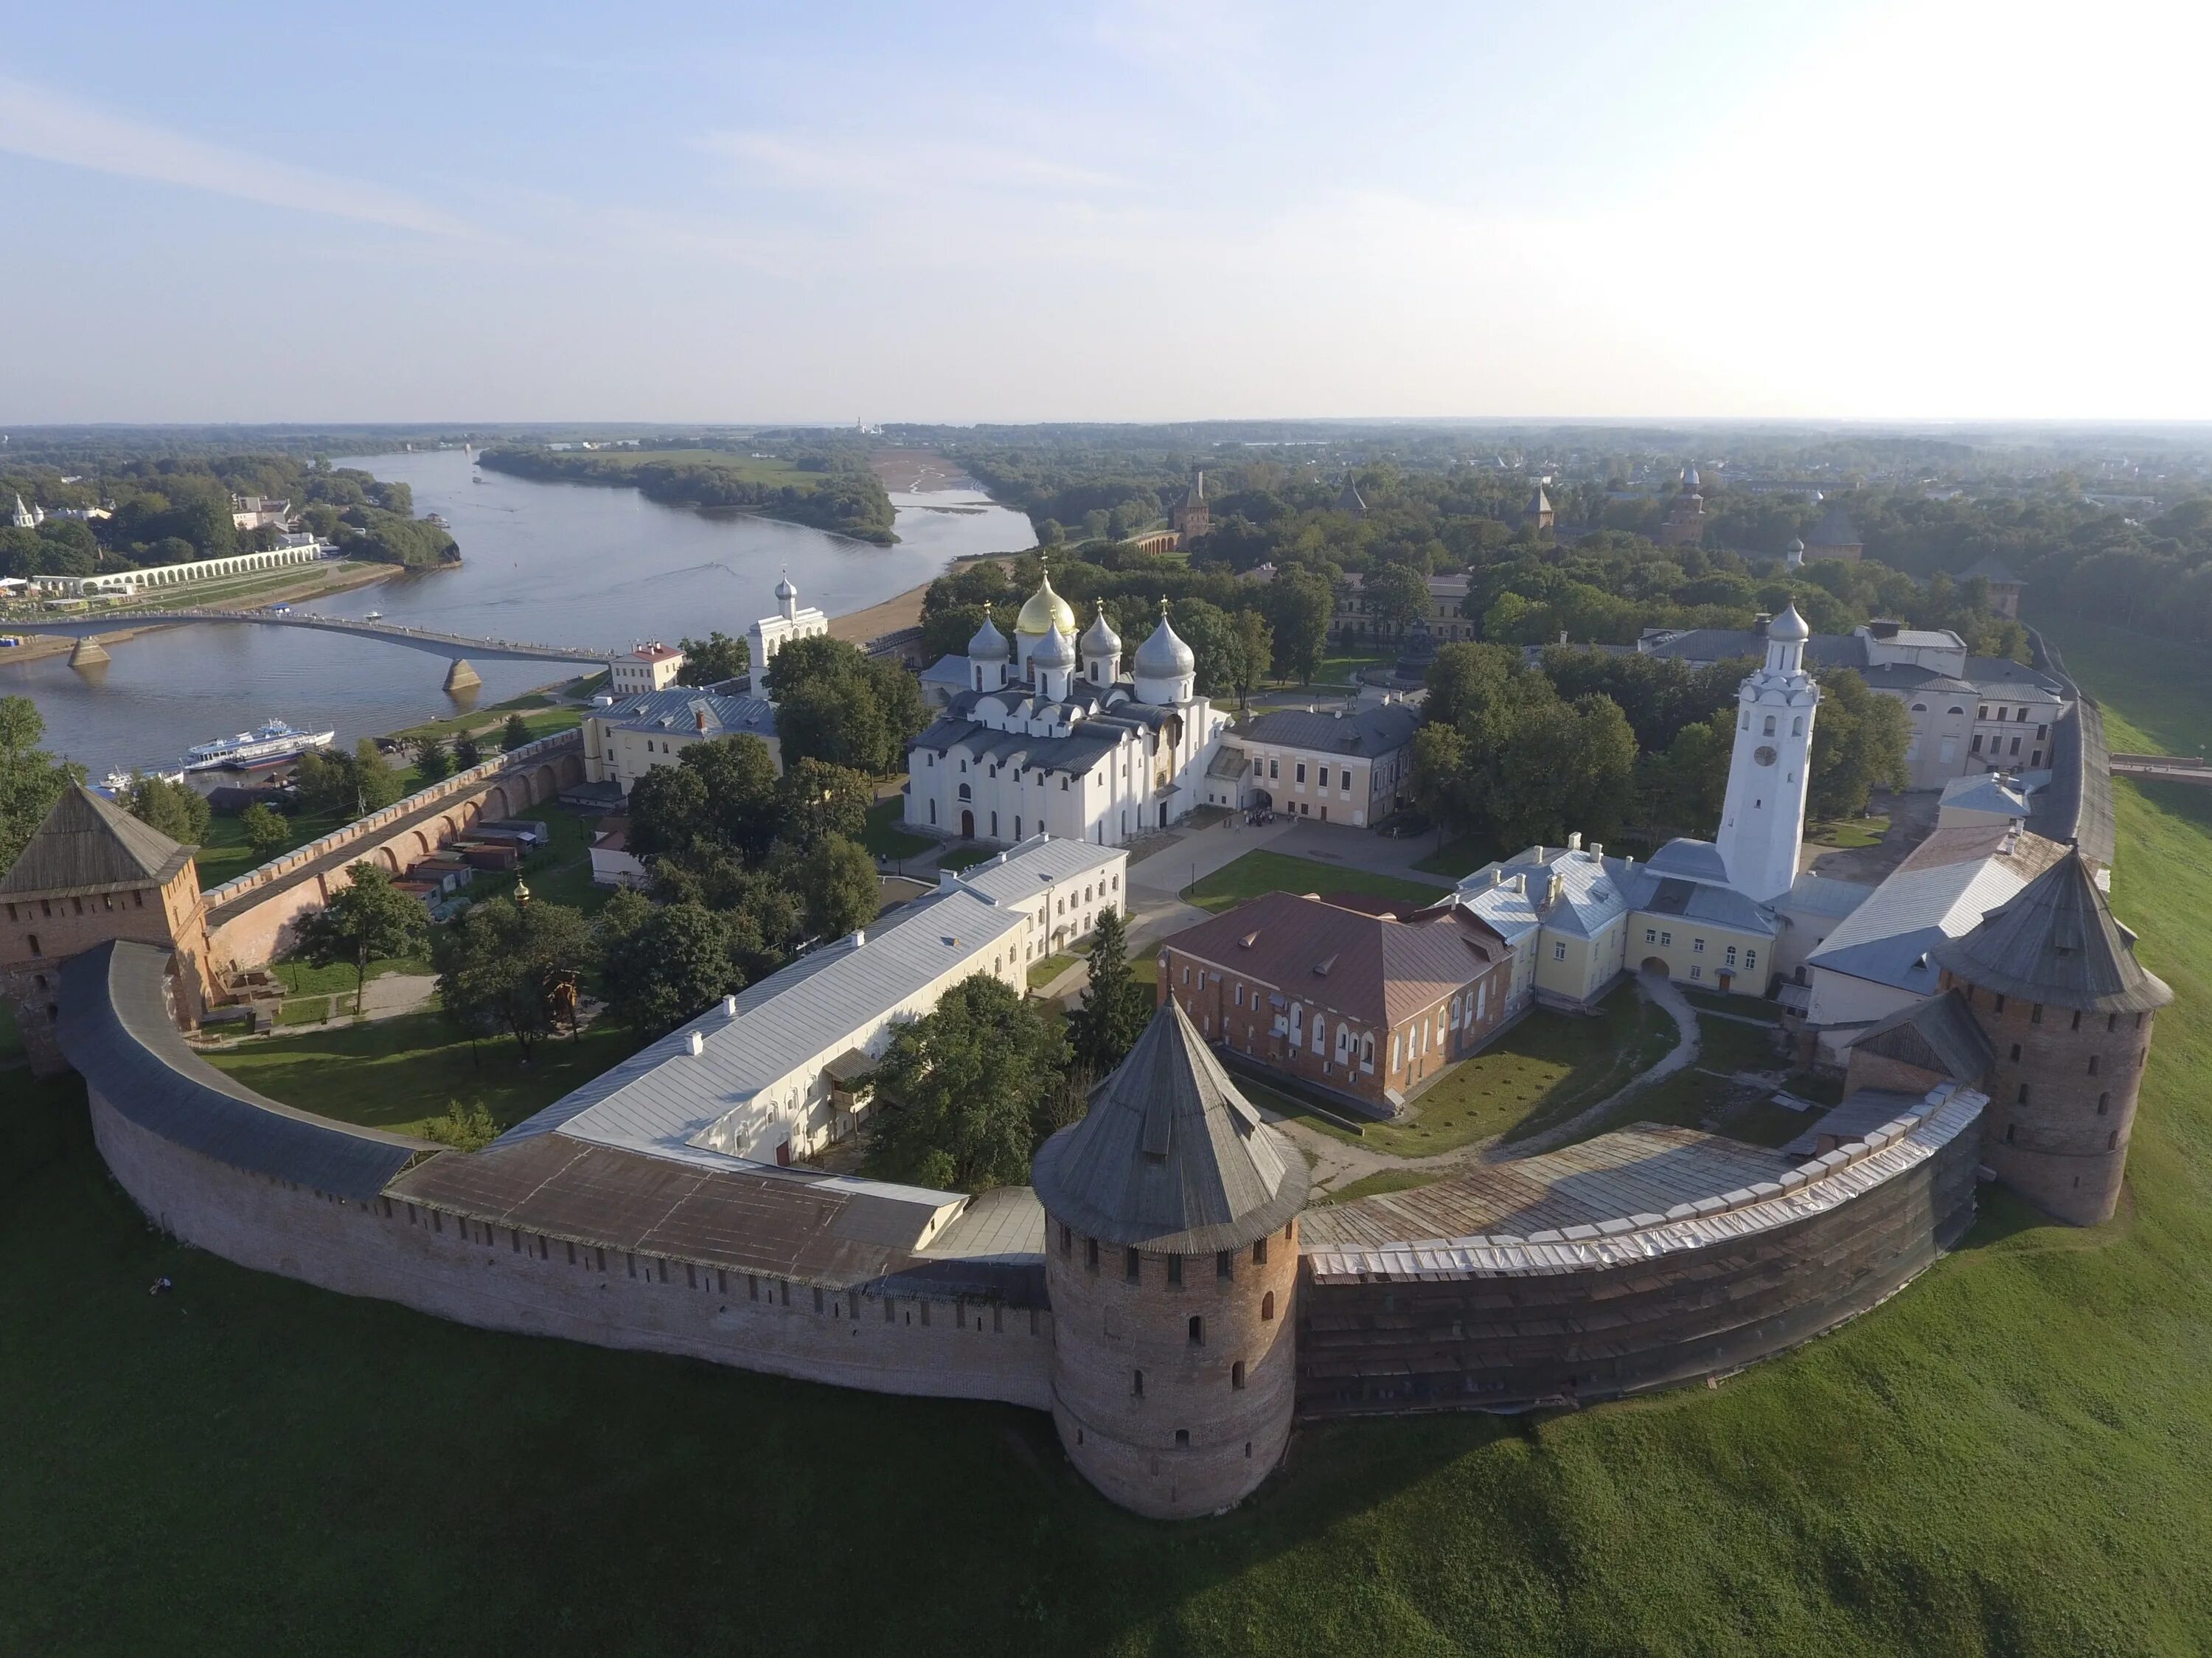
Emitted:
pixel 1696 973
pixel 1323 778
pixel 1302 771
pixel 1731 955
pixel 1668 939
pixel 1559 951
pixel 1651 935
pixel 1175 1272
pixel 1750 960
pixel 1697 946
pixel 1224 1264
pixel 1977 747
pixel 1132 1266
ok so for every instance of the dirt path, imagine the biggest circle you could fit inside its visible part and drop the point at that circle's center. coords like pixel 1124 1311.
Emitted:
pixel 1689 1043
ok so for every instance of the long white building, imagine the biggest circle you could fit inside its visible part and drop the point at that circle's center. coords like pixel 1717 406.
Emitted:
pixel 776 1072
pixel 1049 736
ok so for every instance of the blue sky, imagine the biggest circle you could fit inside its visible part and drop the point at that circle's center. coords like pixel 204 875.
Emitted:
pixel 680 212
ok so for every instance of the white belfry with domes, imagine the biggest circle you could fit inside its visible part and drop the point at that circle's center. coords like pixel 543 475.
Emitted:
pixel 1047 736
pixel 1763 818
pixel 772 632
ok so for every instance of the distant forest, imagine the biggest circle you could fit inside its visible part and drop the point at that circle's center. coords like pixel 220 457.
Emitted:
pixel 172 509
pixel 827 488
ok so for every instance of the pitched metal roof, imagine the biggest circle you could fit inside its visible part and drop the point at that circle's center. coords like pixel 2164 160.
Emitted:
pixel 117 1029
pixel 1375 970
pixel 679 710
pixel 1939 1035
pixel 1950 881
pixel 1170 1157
pixel 89 844
pixel 1367 732
pixel 2056 942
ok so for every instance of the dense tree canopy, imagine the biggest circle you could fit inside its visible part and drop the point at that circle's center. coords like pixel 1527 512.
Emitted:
pixel 177 809
pixel 711 660
pixel 366 919
pixel 962 1091
pixel 833 704
pixel 513 967
pixel 31 779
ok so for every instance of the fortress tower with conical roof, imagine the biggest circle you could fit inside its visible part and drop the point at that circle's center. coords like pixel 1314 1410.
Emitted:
pixel 1172 1261
pixel 2053 981
pixel 91 872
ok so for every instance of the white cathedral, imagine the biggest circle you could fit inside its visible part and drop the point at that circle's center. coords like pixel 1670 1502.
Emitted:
pixel 1047 736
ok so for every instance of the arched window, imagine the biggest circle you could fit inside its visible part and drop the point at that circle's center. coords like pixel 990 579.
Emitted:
pixel 2104 1103
pixel 966 793
pixel 2093 1064
pixel 1797 725
pixel 1267 1306
pixel 1182 1439
pixel 35 950
pixel 1197 1331
pixel 1236 1374
pixel 2023 1094
pixel 1137 1386
pixel 1767 730
pixel 2010 1127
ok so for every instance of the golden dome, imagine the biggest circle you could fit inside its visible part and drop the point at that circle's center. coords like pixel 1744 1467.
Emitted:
pixel 1045 611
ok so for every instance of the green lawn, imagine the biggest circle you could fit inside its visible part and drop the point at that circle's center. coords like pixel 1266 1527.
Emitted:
pixel 1848 832
pixel 1043 972
pixel 1540 1072
pixel 1456 860
pixel 2009 1458
pixel 1256 872
pixel 2153 690
pixel 539 712
pixel 299 979
pixel 885 836
pixel 401 1073
pixel 559 873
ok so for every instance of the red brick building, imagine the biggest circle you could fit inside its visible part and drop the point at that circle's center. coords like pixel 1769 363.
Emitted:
pixel 1361 1004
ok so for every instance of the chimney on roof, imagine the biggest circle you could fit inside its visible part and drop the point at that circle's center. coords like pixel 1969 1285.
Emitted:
pixel 695 1044
pixel 1574 839
pixel 1563 636
pixel 1597 848
pixel 1556 891
pixel 860 937
pixel 1761 623
pixel 729 1007
pixel 700 710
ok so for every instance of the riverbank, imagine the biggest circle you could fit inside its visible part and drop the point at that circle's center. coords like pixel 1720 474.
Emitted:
pixel 853 504
pixel 343 575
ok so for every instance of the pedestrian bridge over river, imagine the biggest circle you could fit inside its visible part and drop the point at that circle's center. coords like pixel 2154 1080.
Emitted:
pixel 453 647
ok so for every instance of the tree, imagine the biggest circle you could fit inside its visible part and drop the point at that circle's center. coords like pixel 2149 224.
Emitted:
pixel 837 879
pixel 335 784
pixel 662 964
pixel 376 785
pixel 504 965
pixel 177 810
pixel 515 734
pixel 834 704
pixel 1397 596
pixel 366 919
pixel 711 660
pixel 1115 1006
pixel 818 799
pixel 961 1090
pixel 1684 786
pixel 31 779
pixel 468 751
pixel 265 829
pixel 1859 739
pixel 1300 602
pixel 720 796
pixel 1256 653
pixel 433 759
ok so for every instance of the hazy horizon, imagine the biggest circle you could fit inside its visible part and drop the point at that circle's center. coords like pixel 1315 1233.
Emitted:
pixel 1955 213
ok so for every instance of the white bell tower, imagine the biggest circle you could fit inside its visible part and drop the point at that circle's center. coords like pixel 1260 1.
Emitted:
pixel 1763 819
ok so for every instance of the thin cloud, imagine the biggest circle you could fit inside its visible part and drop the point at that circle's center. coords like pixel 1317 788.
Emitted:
pixel 49 127
pixel 895 167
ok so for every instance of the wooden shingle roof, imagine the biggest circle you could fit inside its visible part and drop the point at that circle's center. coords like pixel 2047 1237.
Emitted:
pixel 1170 1157
pixel 2056 942
pixel 89 844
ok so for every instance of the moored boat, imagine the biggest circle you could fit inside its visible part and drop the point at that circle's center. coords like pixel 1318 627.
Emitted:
pixel 270 740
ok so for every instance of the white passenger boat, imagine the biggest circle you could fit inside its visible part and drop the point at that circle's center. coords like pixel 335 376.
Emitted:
pixel 270 740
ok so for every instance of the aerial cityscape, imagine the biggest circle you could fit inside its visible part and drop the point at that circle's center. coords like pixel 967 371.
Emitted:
pixel 1327 963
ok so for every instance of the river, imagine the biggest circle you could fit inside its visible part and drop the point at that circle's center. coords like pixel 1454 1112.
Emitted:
pixel 563 563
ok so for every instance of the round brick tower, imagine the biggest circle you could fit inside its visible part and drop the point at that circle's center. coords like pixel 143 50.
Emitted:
pixel 2053 981
pixel 1172 1257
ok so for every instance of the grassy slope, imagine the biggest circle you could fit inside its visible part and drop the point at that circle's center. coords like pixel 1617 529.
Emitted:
pixel 1256 872
pixel 2009 1458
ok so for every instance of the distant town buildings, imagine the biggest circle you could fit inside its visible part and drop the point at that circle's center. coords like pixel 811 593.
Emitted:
pixel 1193 518
pixel 258 512
pixel 2004 587
pixel 1686 515
pixel 1834 537
pixel 1537 515
pixel 1349 500
pixel 27 517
